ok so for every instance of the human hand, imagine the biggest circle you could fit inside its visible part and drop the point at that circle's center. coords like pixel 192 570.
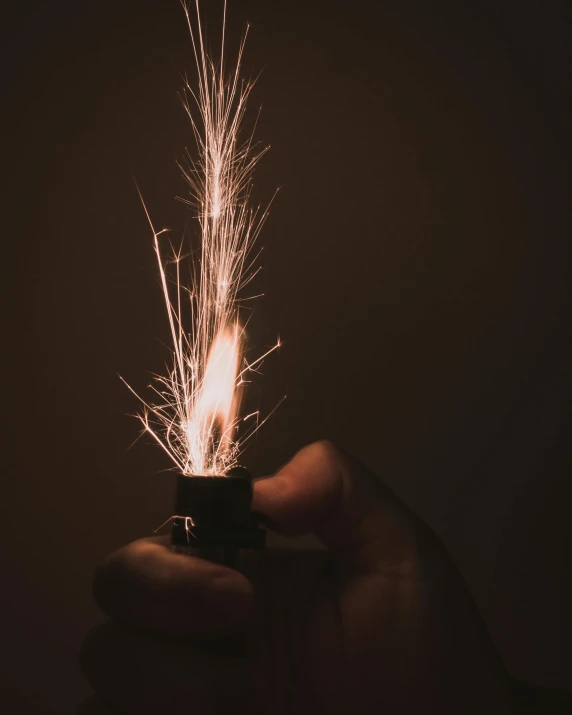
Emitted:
pixel 381 622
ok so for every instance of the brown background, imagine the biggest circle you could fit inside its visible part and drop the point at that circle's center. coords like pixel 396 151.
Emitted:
pixel 416 265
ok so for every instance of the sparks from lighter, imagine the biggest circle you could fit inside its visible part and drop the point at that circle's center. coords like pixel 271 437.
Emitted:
pixel 194 409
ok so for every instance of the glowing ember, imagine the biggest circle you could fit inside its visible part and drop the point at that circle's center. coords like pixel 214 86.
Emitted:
pixel 194 411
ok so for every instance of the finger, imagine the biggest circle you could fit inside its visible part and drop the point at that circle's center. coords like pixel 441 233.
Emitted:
pixel 141 674
pixel 147 585
pixel 328 493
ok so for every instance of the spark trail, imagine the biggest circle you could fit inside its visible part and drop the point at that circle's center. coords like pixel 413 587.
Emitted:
pixel 193 412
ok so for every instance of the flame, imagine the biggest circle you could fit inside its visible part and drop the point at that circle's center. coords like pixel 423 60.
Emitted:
pixel 214 416
pixel 193 415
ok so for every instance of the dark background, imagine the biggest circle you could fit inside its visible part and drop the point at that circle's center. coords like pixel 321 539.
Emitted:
pixel 416 266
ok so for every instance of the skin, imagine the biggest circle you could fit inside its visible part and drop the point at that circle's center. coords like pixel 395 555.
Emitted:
pixel 378 622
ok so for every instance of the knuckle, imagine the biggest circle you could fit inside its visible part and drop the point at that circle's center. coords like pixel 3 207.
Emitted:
pixel 334 460
pixel 327 450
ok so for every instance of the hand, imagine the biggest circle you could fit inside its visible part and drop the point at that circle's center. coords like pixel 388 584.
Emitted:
pixel 381 622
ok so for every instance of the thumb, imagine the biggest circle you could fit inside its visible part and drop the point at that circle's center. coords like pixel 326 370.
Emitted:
pixel 330 494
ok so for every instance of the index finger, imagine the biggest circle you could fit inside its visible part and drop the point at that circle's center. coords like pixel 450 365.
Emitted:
pixel 147 585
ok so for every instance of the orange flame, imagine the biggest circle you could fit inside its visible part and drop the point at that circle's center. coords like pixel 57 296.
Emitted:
pixel 210 430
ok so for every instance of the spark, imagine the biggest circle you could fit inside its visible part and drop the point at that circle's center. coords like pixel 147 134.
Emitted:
pixel 194 411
